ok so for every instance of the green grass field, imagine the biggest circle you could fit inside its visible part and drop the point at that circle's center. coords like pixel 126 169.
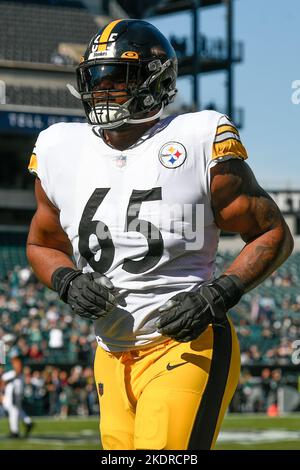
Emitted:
pixel 242 432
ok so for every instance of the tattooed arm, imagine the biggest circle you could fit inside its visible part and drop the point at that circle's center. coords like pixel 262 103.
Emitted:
pixel 241 205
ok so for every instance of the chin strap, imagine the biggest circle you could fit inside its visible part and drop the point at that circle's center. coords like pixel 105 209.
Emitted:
pixel 76 94
pixel 73 91
pixel 148 119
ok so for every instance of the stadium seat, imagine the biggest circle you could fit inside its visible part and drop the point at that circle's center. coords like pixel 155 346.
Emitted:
pixel 32 33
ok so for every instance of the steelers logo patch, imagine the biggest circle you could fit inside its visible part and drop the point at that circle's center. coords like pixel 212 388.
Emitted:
pixel 172 155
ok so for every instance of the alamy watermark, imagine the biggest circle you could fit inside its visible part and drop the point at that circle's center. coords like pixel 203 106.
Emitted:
pixel 183 223
pixel 296 353
pixel 295 98
pixel 2 92
pixel 2 352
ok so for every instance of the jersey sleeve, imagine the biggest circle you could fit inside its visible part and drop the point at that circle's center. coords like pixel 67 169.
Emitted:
pixel 41 162
pixel 223 143
pixel 35 166
pixel 33 163
pixel 227 142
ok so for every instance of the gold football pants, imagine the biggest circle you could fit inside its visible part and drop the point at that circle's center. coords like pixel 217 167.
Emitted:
pixel 171 396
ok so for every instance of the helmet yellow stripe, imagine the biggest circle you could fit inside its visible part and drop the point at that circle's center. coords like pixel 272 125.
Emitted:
pixel 105 35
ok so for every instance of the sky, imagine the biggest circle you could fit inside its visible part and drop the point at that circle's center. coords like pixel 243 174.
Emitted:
pixel 263 81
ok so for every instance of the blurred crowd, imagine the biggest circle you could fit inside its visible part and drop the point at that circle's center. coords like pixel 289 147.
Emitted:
pixel 46 331
pixel 57 392
pixel 57 348
pixel 260 394
pixel 267 319
pixel 269 330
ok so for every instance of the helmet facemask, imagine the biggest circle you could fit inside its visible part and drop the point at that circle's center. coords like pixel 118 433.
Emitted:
pixel 118 92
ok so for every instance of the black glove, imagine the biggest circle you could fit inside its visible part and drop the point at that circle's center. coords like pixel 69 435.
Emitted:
pixel 90 295
pixel 189 313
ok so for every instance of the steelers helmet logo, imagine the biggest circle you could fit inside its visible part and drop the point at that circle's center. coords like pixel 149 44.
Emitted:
pixel 172 155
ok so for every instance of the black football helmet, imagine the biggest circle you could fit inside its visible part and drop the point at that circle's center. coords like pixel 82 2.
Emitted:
pixel 128 70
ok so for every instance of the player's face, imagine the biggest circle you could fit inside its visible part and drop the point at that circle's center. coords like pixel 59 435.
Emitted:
pixel 117 91
pixel 112 82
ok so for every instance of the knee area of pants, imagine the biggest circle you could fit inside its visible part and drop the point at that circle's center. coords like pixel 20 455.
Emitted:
pixel 116 440
pixel 151 425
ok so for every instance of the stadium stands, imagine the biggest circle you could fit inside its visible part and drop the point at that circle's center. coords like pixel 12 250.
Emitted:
pixel 267 318
pixel 38 96
pixel 32 33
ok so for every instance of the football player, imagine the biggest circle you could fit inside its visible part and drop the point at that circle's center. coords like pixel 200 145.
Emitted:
pixel 129 210
pixel 14 390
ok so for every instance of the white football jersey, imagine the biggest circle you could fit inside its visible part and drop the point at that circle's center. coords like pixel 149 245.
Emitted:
pixel 141 216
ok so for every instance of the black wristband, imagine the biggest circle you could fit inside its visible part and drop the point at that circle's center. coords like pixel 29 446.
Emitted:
pixel 61 278
pixel 230 288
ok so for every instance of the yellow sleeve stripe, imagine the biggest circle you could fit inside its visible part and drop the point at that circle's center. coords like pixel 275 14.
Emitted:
pixel 226 128
pixel 32 167
pixel 229 147
pixel 102 45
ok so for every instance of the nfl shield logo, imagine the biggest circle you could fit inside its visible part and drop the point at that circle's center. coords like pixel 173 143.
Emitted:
pixel 100 389
pixel 120 161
